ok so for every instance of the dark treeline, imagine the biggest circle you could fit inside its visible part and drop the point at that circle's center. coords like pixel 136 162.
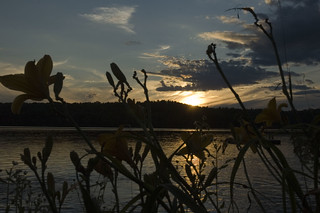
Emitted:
pixel 165 114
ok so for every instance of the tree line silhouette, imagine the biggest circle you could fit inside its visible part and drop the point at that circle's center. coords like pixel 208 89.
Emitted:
pixel 165 114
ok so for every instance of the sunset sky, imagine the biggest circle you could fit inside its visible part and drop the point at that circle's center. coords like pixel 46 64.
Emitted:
pixel 168 39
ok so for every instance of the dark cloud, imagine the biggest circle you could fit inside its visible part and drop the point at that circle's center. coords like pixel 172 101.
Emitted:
pixel 297 33
pixel 305 92
pixel 298 89
pixel 308 81
pixel 201 75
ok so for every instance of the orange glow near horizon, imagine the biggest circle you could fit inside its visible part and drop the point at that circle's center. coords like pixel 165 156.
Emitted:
pixel 194 100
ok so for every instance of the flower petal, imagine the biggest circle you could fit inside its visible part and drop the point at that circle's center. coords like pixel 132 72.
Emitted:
pixel 272 105
pixel 17 103
pixel 17 82
pixel 261 118
pixel 31 73
pixel 44 66
pixel 115 145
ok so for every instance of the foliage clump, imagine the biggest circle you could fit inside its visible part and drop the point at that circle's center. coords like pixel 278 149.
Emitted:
pixel 193 186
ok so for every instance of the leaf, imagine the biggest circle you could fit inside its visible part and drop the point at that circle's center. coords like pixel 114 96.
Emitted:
pixel 131 202
pixel 26 157
pixel 74 158
pixel 137 149
pixel 189 173
pixel 145 152
pixel 212 175
pixel 236 165
pixel 184 198
pixel 46 151
pixel 65 191
pixel 34 161
pixel 290 177
pixel 51 184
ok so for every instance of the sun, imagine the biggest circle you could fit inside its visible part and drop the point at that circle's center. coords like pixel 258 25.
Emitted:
pixel 193 100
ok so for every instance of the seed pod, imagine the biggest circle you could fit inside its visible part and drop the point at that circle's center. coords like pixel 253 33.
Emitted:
pixel 58 84
pixel 118 73
pixel 110 79
pixel 210 49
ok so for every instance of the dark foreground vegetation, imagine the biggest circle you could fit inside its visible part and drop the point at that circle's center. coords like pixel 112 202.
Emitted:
pixel 165 114
pixel 186 180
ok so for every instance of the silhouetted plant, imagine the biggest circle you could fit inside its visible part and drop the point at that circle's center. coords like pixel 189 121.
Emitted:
pixel 249 134
pixel 168 187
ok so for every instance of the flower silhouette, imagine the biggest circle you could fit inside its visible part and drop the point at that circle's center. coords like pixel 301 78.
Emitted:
pixel 195 144
pixel 244 134
pixel 34 83
pixel 115 145
pixel 271 114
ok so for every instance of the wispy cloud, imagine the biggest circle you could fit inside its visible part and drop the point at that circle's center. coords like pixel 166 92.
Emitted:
pixel 7 68
pixel 119 16
pixel 230 20
pixel 228 36
pixel 60 63
pixel 157 53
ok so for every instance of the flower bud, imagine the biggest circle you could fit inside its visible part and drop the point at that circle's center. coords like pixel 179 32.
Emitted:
pixel 118 73
pixel 58 84
pixel 110 79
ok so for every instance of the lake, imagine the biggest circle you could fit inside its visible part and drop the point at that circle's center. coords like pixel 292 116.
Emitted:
pixel 14 140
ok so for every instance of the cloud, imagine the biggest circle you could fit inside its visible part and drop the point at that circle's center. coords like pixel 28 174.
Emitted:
pixel 60 63
pixel 119 16
pixel 294 27
pixel 230 20
pixel 157 53
pixel 201 75
pixel 228 36
pixel 7 68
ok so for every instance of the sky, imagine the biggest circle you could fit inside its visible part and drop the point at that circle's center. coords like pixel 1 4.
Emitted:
pixel 168 39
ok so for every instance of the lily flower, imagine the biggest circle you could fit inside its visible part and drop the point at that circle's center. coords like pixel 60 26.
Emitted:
pixel 34 83
pixel 271 114
pixel 195 144
pixel 115 145
pixel 244 134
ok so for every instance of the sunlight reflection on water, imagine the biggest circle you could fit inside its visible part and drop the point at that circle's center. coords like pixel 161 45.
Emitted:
pixel 13 143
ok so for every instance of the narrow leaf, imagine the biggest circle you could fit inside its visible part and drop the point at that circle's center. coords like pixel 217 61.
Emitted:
pixel 184 198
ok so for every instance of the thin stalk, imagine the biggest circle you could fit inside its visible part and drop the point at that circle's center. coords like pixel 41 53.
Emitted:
pixel 204 188
pixel 250 185
pixel 275 48
pixel 316 171
pixel 44 189
pixel 160 152
pixel 115 190
pixel 269 165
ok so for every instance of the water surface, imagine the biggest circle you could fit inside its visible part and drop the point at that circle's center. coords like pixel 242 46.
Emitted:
pixel 13 141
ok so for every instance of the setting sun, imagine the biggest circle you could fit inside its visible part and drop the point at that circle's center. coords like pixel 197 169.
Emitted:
pixel 193 100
